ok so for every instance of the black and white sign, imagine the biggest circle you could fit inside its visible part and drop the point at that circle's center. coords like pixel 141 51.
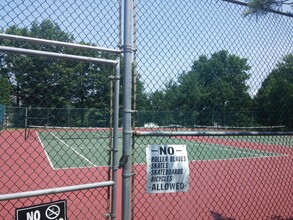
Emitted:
pixel 167 169
pixel 49 211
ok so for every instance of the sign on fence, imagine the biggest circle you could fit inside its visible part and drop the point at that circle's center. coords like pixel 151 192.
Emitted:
pixel 48 211
pixel 167 169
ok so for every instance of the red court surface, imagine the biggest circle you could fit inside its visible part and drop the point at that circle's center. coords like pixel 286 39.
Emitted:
pixel 248 188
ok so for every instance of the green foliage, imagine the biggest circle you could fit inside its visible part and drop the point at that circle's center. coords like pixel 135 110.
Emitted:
pixel 5 86
pixel 221 82
pixel 262 7
pixel 35 81
pixel 215 84
pixel 274 100
pixel 39 83
pixel 142 101
pixel 5 89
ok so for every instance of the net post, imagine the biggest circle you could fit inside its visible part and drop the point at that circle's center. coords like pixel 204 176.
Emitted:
pixel 2 116
pixel 26 131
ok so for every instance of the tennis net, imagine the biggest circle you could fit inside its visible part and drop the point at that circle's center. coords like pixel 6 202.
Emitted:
pixel 205 128
pixel 49 132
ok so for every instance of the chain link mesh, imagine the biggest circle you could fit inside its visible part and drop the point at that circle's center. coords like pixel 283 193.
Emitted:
pixel 57 128
pixel 208 69
pixel 87 21
pixel 199 67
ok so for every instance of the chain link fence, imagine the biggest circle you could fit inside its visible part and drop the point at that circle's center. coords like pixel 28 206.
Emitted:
pixel 220 84
pixel 206 80
pixel 57 140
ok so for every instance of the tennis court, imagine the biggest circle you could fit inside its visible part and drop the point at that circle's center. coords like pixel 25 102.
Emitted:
pixel 89 147
pixel 231 177
pixel 218 165
pixel 76 149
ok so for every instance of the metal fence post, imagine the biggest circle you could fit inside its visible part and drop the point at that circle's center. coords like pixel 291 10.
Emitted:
pixel 115 140
pixel 125 161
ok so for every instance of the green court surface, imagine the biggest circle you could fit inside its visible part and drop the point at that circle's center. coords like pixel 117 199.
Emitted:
pixel 199 151
pixel 74 151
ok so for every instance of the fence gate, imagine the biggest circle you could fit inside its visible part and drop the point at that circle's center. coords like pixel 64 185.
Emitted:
pixel 59 143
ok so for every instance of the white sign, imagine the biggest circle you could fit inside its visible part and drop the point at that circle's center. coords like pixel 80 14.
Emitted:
pixel 167 169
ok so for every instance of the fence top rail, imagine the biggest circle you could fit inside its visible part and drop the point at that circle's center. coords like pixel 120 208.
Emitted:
pixel 53 55
pixel 58 43
pixel 209 133
pixel 55 190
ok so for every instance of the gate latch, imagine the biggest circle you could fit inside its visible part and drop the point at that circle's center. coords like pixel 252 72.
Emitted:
pixel 122 161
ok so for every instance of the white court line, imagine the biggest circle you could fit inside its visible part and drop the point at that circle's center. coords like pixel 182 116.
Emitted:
pixel 240 150
pixel 80 155
pixel 241 158
pixel 69 168
pixel 255 152
pixel 260 155
pixel 229 159
pixel 50 162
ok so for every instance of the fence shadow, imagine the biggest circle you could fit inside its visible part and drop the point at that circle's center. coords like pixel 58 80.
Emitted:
pixel 277 217
pixel 218 216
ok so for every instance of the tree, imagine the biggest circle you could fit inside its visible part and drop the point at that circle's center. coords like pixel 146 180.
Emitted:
pixel 219 85
pixel 260 7
pixel 5 88
pixel 39 82
pixel 214 85
pixel 35 81
pixel 274 100
pixel 142 101
pixel 50 83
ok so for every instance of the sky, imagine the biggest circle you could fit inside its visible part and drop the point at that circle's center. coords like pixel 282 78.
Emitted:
pixel 171 34
pixel 88 20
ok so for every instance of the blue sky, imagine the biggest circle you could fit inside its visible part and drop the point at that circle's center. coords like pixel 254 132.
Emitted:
pixel 171 34
pixel 87 20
